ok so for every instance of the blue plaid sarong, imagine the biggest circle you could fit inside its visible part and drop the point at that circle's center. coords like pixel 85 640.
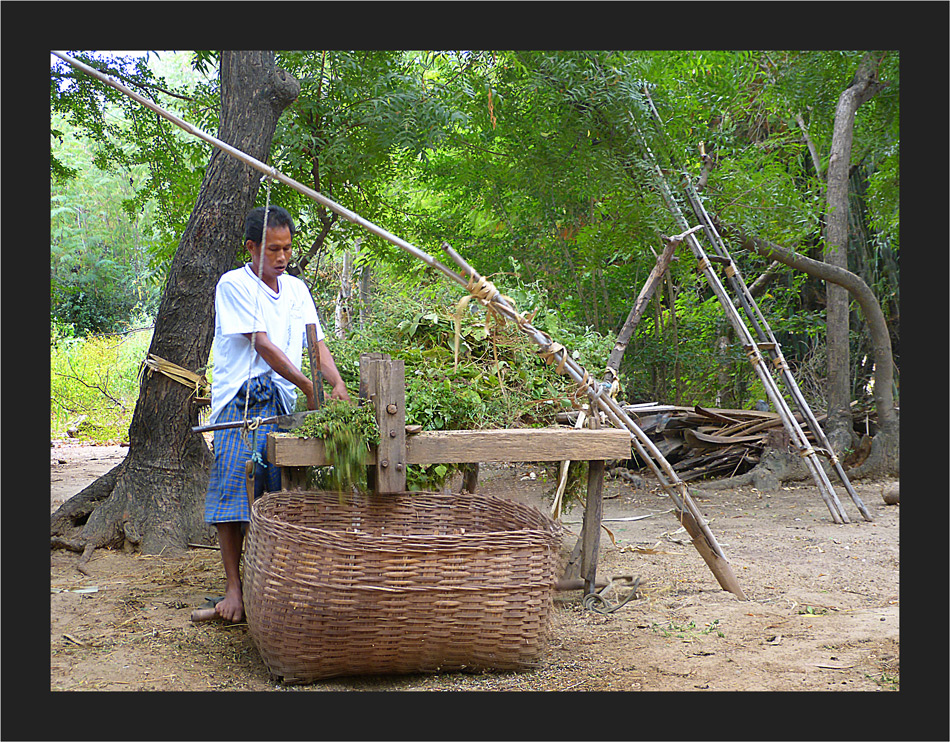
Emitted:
pixel 226 500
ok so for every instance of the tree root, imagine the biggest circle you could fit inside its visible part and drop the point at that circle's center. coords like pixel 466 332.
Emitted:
pixel 775 467
pixel 86 549
pixel 73 513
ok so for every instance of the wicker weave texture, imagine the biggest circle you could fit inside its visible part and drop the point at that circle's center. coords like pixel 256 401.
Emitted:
pixel 414 582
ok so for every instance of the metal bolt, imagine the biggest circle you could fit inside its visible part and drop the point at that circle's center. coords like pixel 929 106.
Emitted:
pixel 384 463
pixel 392 433
pixel 400 467
pixel 391 409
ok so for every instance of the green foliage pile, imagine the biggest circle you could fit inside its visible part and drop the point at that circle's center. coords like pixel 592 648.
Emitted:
pixel 347 431
pixel 498 380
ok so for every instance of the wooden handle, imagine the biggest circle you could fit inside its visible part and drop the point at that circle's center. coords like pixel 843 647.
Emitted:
pixel 315 370
pixel 204 614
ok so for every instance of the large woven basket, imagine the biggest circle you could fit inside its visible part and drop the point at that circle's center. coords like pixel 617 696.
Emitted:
pixel 414 582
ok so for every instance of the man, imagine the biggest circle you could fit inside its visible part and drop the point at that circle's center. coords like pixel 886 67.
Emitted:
pixel 261 314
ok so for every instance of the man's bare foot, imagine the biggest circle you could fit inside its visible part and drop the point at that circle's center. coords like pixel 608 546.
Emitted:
pixel 232 607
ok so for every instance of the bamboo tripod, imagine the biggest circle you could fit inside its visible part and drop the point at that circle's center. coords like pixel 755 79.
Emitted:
pixel 494 301
pixel 763 340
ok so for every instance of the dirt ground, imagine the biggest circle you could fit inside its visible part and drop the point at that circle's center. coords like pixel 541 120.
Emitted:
pixel 823 608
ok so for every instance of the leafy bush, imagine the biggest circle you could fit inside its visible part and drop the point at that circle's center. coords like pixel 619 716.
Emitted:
pixel 498 379
pixel 94 379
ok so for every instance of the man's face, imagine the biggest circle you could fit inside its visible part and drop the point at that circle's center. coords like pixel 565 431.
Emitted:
pixel 277 252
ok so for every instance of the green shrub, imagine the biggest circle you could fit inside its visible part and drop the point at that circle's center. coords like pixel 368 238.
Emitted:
pixel 95 378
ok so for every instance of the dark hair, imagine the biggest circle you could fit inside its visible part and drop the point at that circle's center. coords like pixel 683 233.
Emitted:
pixel 277 216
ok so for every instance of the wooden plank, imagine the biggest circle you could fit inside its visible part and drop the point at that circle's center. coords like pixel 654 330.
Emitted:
pixel 284 449
pixel 519 444
pixel 472 446
pixel 389 397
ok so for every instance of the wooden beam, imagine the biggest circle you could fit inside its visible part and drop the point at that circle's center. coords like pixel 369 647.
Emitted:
pixel 472 446
pixel 519 444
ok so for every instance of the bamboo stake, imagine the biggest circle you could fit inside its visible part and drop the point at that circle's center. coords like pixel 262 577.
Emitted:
pixel 765 334
pixel 686 510
pixel 565 467
pixel 640 305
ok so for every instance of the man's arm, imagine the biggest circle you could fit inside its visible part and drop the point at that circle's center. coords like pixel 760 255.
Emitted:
pixel 278 360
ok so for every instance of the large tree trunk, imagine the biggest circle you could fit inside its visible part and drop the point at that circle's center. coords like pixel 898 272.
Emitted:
pixel 157 501
pixel 885 451
pixel 862 87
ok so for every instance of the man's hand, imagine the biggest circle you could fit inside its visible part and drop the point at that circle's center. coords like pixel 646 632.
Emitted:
pixel 339 392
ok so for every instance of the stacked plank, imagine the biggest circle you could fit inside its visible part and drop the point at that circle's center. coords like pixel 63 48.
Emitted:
pixel 707 442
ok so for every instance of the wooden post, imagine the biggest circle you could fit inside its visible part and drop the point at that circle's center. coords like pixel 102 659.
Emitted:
pixel 383 381
pixel 593 511
pixel 316 373
pixel 293 477
pixel 469 477
pixel 367 387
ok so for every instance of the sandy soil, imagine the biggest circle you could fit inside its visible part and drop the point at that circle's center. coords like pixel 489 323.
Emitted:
pixel 823 608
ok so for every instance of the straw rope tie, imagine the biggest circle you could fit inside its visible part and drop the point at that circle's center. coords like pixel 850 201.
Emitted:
pixel 485 291
pixel 153 362
pixel 754 356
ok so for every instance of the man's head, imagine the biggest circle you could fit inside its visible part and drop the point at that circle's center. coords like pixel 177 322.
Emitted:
pixel 277 216
pixel 278 248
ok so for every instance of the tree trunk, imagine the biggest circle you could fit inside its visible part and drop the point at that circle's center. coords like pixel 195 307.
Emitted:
pixel 344 296
pixel 366 294
pixel 639 307
pixel 885 456
pixel 862 87
pixel 157 501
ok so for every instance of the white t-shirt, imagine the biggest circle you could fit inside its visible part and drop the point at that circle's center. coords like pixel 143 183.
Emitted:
pixel 243 303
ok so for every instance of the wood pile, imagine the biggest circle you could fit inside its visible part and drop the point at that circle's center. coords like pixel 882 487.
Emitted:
pixel 703 442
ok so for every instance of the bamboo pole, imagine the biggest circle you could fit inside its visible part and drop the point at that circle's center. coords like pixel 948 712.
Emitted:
pixel 825 489
pixel 686 511
pixel 267 170
pixel 766 336
pixel 764 331
pixel 640 305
